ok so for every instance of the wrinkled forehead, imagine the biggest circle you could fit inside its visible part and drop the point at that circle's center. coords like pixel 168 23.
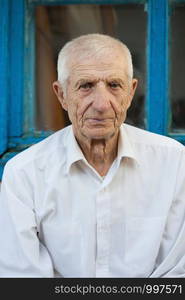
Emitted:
pixel 111 61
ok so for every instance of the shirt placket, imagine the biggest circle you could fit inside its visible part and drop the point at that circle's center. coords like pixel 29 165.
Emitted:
pixel 103 233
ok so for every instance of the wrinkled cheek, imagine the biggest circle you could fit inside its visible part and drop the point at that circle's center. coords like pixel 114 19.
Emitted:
pixel 119 105
pixel 81 113
pixel 119 109
pixel 72 113
pixel 121 118
pixel 121 113
pixel 82 109
pixel 124 106
pixel 79 117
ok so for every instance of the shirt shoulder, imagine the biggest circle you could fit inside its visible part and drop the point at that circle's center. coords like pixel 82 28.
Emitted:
pixel 46 150
pixel 145 138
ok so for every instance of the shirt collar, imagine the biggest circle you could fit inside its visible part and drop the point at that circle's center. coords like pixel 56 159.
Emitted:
pixel 125 145
pixel 74 153
pixel 125 148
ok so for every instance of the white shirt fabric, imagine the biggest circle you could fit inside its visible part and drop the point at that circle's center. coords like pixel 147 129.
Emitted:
pixel 60 218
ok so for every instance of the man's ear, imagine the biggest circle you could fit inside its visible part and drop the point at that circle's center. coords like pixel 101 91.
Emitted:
pixel 58 90
pixel 134 86
pixel 132 90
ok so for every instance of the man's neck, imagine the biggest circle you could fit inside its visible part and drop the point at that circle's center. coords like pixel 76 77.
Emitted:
pixel 100 154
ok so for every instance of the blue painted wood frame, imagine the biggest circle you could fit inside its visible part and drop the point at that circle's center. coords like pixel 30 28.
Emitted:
pixel 16 67
pixel 29 57
pixel 157 62
pixel 158 110
pixel 101 2
pixel 12 73
pixel 4 74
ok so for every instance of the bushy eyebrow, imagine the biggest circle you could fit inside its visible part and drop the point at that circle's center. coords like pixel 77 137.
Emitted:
pixel 94 81
pixel 84 80
pixel 118 80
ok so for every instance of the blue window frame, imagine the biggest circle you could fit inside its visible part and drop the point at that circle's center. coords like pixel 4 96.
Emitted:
pixel 17 44
pixel 4 29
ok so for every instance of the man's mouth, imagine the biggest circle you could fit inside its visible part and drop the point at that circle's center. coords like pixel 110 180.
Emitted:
pixel 98 121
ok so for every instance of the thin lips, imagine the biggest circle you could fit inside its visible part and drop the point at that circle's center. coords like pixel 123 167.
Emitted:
pixel 98 119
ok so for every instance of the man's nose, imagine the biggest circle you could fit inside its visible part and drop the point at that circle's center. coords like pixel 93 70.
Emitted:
pixel 101 97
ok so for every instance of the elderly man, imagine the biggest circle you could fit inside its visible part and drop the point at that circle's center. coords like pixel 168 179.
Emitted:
pixel 98 198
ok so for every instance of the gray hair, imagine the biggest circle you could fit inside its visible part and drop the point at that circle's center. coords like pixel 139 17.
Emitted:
pixel 89 45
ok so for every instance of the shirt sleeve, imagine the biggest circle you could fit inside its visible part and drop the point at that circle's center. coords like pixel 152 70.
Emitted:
pixel 21 252
pixel 171 258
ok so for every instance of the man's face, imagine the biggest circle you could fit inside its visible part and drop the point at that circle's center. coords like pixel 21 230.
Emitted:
pixel 97 96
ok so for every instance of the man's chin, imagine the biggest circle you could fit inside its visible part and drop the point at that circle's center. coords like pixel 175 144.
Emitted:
pixel 99 134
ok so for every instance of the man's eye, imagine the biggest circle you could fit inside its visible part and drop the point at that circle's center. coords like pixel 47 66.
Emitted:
pixel 86 86
pixel 114 85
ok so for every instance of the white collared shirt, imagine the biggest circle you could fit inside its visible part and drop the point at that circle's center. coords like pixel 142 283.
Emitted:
pixel 59 217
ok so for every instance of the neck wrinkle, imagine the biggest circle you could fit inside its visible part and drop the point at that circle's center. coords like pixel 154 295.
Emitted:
pixel 100 154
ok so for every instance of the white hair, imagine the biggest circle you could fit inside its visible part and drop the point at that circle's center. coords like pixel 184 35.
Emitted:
pixel 86 46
